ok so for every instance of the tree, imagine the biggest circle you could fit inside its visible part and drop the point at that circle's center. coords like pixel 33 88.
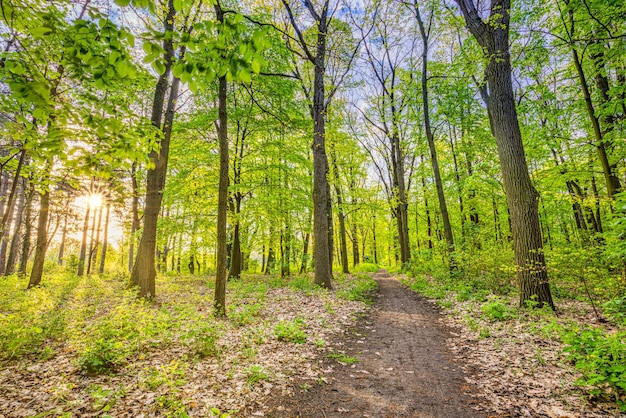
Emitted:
pixel 522 198
pixel 425 31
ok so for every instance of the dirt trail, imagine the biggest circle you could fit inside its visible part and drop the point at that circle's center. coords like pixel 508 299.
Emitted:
pixel 403 368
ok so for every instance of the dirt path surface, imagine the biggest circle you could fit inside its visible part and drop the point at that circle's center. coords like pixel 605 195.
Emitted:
pixel 404 368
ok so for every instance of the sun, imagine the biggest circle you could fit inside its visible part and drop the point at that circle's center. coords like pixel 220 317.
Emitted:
pixel 95 200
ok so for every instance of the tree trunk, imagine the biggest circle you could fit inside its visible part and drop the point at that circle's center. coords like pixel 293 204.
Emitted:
pixel 95 237
pixel 236 261
pixel 222 205
pixel 343 246
pixel 443 207
pixel 15 240
pixel 144 273
pixel 83 242
pixel 305 253
pixel 321 199
pixel 7 213
pixel 522 198
pixel 42 240
pixel 63 239
pixel 105 241
pixel 27 231
pixel 135 214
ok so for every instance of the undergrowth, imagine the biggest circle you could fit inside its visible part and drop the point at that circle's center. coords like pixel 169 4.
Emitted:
pixel 597 352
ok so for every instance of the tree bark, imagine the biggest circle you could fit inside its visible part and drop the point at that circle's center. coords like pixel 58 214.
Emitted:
pixel 522 198
pixel 135 216
pixel 144 273
pixel 219 305
pixel 343 246
pixel 15 240
pixel 42 240
pixel 430 138
pixel 105 240
pixel 83 242
pixel 63 239
pixel 27 231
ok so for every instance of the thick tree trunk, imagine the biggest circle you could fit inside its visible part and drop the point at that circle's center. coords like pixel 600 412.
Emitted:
pixel 222 204
pixel 522 198
pixel 42 240
pixel 144 273
pixel 321 198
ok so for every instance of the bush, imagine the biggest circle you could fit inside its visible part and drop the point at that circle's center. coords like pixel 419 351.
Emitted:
pixel 359 288
pixel 496 310
pixel 615 309
pixel 366 268
pixel 601 358
pixel 290 331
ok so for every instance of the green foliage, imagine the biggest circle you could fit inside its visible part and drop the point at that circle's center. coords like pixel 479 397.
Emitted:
pixel 202 339
pixel 302 283
pixel 291 331
pixel 255 374
pixel 246 314
pixel 343 358
pixel 615 309
pixel 496 310
pixel 171 375
pixel 359 287
pixel 601 358
pixel 366 268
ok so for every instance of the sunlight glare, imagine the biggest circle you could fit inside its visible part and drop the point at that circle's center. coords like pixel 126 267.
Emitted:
pixel 95 200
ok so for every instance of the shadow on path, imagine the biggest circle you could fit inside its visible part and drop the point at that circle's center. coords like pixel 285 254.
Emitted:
pixel 404 368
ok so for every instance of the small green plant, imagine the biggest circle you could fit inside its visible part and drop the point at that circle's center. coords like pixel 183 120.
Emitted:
pixel 615 309
pixel 303 284
pixel 255 374
pixel 320 343
pixel 102 355
pixel 484 333
pixel 218 414
pixel 601 358
pixel 360 288
pixel 290 331
pixel 203 339
pixel 172 375
pixel 246 314
pixel 496 310
pixel 104 399
pixel 343 358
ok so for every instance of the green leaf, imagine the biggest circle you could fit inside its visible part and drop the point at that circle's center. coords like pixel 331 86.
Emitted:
pixel 159 67
pixel 122 3
pixel 244 76
pixel 256 66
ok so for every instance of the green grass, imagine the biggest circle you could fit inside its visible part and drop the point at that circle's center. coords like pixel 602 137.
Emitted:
pixel 359 287
pixel 343 358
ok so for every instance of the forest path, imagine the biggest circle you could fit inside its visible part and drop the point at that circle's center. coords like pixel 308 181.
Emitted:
pixel 404 368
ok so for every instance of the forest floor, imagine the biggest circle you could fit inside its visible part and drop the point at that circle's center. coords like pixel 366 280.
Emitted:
pixel 415 356
pixel 401 366
pixel 85 347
